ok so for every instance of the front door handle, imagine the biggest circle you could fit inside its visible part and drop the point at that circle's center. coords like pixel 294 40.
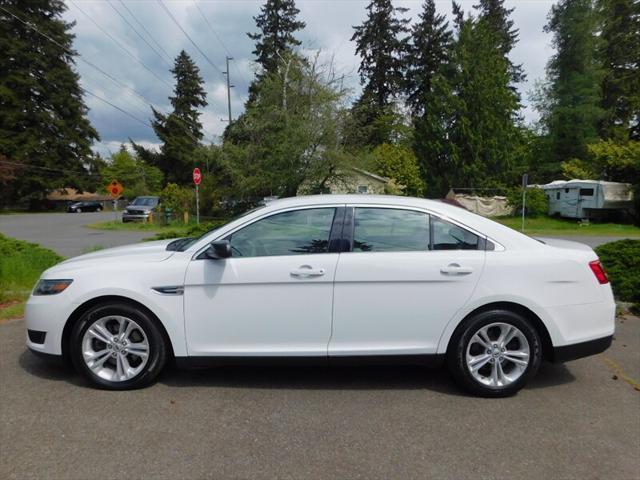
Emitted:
pixel 306 271
pixel 456 269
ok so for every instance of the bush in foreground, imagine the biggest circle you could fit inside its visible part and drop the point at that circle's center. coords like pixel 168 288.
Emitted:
pixel 621 260
pixel 21 264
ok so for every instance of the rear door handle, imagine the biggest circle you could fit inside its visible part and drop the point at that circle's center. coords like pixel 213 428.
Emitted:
pixel 456 269
pixel 306 271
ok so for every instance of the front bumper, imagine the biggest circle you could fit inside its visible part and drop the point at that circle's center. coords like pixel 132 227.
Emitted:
pixel 132 217
pixel 567 353
pixel 45 317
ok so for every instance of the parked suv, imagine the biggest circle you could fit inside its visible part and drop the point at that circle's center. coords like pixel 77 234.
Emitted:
pixel 140 209
pixel 79 207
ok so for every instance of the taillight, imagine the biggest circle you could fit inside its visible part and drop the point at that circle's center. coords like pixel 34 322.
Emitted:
pixel 598 271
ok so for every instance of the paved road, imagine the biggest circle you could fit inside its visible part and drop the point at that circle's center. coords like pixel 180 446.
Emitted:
pixel 575 421
pixel 65 232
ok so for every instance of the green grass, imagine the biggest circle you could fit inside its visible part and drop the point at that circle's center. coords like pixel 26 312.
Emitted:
pixel 129 226
pixel 21 264
pixel 557 226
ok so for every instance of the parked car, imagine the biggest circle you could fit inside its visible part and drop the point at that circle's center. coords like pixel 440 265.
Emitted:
pixel 332 280
pixel 80 207
pixel 140 209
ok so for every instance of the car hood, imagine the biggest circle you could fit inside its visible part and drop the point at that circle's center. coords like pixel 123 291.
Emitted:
pixel 144 252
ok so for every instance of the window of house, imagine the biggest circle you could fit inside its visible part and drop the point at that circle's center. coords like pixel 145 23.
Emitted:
pixel 363 189
pixel 586 192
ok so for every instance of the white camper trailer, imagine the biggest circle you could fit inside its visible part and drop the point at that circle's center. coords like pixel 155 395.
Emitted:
pixel 588 199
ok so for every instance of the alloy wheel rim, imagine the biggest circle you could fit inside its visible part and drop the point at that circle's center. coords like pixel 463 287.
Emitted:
pixel 497 355
pixel 115 348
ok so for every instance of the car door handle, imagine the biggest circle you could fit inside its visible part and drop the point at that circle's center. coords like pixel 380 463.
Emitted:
pixel 456 269
pixel 306 271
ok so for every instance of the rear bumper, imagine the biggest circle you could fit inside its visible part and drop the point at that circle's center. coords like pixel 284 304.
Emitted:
pixel 567 353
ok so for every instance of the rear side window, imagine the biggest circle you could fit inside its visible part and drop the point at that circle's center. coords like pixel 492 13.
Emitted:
pixel 390 230
pixel 448 236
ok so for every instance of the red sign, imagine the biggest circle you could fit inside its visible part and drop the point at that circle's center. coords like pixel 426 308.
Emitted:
pixel 115 189
pixel 197 176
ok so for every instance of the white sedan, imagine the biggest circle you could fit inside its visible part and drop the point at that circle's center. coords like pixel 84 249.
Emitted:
pixel 330 280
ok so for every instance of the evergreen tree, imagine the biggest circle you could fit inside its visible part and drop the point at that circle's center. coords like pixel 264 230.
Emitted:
pixel 181 130
pixel 496 17
pixel 277 25
pixel 43 120
pixel 620 55
pixel 381 46
pixel 484 138
pixel 570 101
pixel 427 54
pixel 428 93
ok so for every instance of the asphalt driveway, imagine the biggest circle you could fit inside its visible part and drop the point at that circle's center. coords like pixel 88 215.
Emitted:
pixel 575 421
pixel 66 233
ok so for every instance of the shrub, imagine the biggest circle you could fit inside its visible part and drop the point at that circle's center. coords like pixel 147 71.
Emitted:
pixel 537 203
pixel 621 260
pixel 21 264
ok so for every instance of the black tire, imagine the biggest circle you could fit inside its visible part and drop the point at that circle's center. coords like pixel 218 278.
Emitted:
pixel 157 346
pixel 457 360
pixel 99 209
pixel 78 210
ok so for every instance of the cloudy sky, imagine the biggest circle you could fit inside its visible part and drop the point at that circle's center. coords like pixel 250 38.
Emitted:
pixel 134 41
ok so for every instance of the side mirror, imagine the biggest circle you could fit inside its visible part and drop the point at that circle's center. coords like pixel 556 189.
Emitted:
pixel 218 250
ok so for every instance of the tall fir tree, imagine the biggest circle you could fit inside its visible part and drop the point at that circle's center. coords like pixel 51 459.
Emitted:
pixel 277 25
pixel 496 17
pixel 483 132
pixel 620 57
pixel 428 93
pixel 570 103
pixel 381 43
pixel 181 130
pixel 43 117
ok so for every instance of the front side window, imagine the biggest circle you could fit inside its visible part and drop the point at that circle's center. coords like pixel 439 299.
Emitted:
pixel 448 236
pixel 297 232
pixel 390 230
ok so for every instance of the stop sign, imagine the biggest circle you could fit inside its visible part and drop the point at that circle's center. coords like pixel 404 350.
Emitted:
pixel 197 176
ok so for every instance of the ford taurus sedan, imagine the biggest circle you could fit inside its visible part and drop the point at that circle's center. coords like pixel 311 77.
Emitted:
pixel 329 280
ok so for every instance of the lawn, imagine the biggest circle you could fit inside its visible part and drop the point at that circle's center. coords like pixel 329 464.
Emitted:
pixel 561 227
pixel 21 264
pixel 135 226
pixel 175 230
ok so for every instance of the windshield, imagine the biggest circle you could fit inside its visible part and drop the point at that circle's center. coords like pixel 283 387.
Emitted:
pixel 145 201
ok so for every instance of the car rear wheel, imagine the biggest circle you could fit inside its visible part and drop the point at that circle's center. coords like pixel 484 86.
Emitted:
pixel 494 353
pixel 118 347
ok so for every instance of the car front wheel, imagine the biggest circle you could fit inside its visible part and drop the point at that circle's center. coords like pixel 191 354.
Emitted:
pixel 118 347
pixel 494 353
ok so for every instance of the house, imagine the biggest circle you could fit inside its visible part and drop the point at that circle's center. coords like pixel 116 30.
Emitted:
pixel 65 196
pixel 588 199
pixel 356 180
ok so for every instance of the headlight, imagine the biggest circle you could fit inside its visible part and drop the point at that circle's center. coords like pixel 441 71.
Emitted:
pixel 51 287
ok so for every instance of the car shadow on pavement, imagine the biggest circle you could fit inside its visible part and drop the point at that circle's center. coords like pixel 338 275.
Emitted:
pixel 305 378
pixel 347 378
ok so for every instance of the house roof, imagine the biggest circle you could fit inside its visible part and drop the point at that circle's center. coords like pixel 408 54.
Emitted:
pixel 71 194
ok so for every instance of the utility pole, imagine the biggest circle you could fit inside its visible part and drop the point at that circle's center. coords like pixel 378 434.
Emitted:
pixel 229 87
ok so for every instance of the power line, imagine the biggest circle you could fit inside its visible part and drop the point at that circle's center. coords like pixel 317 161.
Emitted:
pixel 145 29
pixel 17 164
pixel 147 101
pixel 219 40
pixel 164 7
pixel 117 42
pixel 138 34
